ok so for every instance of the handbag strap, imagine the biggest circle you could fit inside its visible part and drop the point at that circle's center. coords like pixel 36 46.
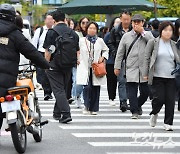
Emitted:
pixel 89 50
pixel 130 47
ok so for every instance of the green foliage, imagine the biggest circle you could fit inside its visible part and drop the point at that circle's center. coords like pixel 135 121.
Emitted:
pixel 173 8
pixel 4 1
pixel 38 14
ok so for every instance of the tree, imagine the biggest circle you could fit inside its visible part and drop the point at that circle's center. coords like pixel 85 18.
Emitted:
pixel 4 1
pixel 173 8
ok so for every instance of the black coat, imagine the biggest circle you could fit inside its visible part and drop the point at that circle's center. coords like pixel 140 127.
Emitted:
pixel 115 37
pixel 12 43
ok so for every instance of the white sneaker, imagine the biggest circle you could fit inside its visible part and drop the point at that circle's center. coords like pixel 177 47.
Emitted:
pixel 93 113
pixel 85 111
pixel 134 116
pixel 78 102
pixel 168 127
pixel 112 103
pixel 153 120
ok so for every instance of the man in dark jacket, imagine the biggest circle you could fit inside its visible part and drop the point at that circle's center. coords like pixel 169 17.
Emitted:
pixel 12 43
pixel 155 25
pixel 115 37
pixel 59 76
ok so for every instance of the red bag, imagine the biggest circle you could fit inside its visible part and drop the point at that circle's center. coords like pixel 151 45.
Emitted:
pixel 99 69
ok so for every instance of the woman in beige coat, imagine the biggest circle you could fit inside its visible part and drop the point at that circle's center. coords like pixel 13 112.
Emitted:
pixel 92 50
pixel 161 56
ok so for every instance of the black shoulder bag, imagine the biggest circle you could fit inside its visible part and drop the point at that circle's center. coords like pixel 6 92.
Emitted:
pixel 126 55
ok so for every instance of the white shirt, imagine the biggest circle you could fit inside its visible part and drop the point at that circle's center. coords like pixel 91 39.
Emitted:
pixel 24 60
pixel 41 40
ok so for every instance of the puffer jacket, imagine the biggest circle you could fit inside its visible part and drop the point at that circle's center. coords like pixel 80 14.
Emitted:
pixel 12 43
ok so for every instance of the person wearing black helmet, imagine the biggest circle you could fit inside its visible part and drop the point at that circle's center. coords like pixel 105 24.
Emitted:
pixel 12 43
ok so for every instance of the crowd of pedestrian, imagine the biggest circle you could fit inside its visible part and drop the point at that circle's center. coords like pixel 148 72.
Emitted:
pixel 138 60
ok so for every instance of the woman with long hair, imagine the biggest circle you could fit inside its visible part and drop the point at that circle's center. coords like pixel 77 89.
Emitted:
pixel 77 90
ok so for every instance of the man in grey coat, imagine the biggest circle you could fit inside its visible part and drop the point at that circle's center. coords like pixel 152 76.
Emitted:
pixel 134 64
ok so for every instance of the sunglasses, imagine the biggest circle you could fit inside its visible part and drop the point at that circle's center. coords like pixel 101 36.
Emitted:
pixel 84 22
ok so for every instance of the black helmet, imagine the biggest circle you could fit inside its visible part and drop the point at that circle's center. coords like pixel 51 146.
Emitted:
pixel 7 12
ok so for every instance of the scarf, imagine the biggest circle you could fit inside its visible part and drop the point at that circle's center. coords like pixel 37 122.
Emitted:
pixel 92 39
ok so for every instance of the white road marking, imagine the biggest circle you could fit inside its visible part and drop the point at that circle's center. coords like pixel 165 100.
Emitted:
pixel 114 127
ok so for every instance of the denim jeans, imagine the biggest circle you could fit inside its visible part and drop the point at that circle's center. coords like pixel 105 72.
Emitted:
pixel 77 90
pixel 122 86
pixel 73 91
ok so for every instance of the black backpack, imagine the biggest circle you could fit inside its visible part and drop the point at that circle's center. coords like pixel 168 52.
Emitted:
pixel 66 49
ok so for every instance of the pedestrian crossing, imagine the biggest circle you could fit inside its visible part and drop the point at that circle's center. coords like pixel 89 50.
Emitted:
pixel 115 132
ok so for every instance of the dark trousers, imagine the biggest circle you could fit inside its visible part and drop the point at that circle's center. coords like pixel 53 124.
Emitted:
pixel 91 95
pixel 43 80
pixel 137 102
pixel 59 82
pixel 164 93
pixel 111 81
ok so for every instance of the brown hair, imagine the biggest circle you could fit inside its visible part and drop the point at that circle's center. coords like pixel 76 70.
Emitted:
pixel 79 28
pixel 165 24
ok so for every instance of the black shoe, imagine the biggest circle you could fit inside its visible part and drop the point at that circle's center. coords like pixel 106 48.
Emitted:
pixel 71 100
pixel 56 117
pixel 140 111
pixel 65 120
pixel 123 106
pixel 47 97
pixel 7 129
pixel 50 97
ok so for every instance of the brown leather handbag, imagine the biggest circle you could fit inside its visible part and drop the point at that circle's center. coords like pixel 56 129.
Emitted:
pixel 99 69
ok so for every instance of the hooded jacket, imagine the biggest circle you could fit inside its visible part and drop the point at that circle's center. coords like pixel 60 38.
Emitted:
pixel 12 43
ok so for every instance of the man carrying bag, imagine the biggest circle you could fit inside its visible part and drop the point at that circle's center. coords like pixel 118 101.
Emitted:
pixel 61 46
pixel 132 45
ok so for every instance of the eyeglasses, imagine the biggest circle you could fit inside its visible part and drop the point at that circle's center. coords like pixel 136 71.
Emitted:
pixel 85 22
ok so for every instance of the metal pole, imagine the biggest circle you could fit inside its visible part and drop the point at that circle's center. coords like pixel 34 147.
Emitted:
pixel 155 8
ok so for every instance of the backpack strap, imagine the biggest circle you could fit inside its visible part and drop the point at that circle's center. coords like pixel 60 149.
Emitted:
pixel 41 31
pixel 60 33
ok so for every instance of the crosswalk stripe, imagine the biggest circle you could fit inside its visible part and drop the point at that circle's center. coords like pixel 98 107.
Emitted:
pixel 114 135
pixel 101 105
pixel 141 153
pixel 116 115
pixel 106 110
pixel 118 120
pixel 110 115
pixel 132 144
pixel 114 120
pixel 116 127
